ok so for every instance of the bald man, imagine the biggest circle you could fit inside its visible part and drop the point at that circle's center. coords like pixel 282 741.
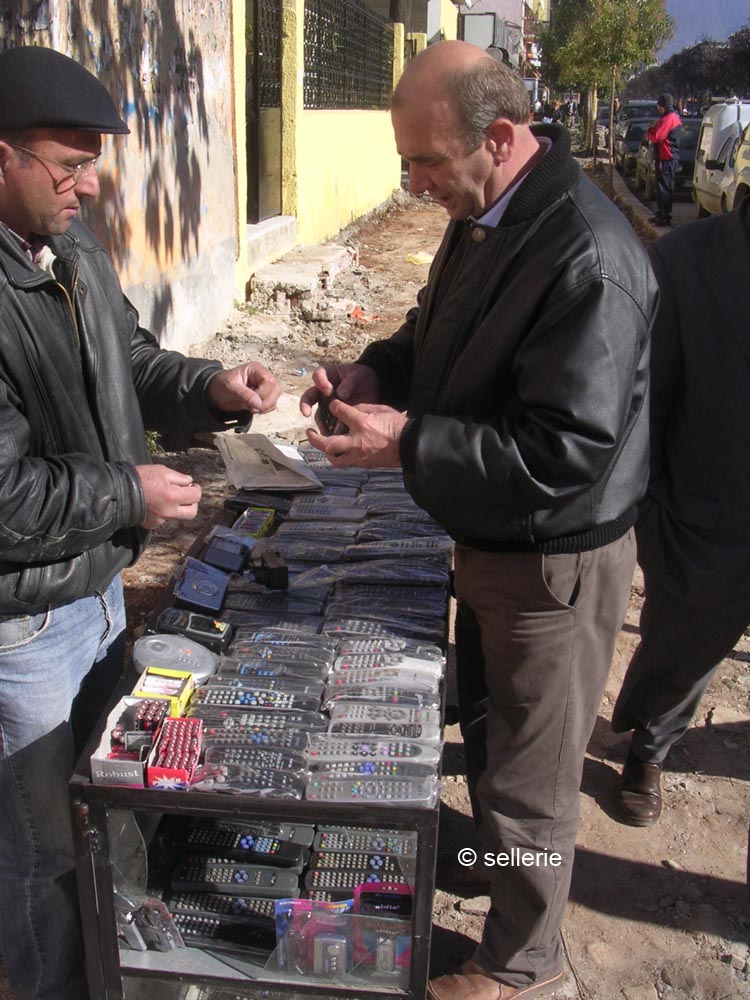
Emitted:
pixel 514 398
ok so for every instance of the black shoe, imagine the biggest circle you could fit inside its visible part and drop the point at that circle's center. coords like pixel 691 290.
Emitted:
pixel 639 797
pixel 658 220
pixel 454 877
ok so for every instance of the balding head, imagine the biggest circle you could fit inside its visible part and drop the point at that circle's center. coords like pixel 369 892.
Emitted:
pixel 477 87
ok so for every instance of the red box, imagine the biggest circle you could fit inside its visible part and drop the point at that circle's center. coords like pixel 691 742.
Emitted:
pixel 172 762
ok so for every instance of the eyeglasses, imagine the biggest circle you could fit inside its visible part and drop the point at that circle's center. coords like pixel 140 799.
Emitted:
pixel 71 176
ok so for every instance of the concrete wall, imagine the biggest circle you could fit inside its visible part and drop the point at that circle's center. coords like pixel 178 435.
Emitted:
pixel 168 210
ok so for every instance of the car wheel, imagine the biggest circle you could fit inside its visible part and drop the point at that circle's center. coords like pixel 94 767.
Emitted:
pixel 701 212
pixel 724 208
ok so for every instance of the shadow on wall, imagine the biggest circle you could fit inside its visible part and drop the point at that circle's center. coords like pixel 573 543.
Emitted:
pixel 154 70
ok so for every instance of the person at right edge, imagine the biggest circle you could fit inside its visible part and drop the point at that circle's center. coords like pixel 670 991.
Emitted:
pixel 665 136
pixel 515 399
pixel 693 531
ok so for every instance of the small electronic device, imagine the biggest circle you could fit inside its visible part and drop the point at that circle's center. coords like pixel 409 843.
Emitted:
pixel 213 633
pixel 225 554
pixel 176 653
pixel 326 421
pixel 366 840
pixel 326 748
pixel 200 585
pixel 244 842
pixel 200 874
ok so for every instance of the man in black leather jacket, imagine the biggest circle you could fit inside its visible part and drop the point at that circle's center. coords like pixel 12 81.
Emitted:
pixel 514 398
pixel 78 379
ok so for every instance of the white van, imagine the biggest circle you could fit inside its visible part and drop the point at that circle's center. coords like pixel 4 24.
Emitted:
pixel 720 133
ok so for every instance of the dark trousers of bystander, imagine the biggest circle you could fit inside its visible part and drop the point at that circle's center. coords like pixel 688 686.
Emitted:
pixel 665 176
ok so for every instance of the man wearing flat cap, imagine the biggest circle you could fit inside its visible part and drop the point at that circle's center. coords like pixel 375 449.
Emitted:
pixel 79 381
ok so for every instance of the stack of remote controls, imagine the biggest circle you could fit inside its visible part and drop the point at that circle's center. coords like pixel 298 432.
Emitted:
pixel 330 681
pixel 224 877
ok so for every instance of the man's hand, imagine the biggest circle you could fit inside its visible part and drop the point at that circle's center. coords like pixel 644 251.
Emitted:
pixel 373 438
pixel 248 387
pixel 353 383
pixel 168 494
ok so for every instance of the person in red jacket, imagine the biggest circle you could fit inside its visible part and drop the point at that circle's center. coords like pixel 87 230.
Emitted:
pixel 665 135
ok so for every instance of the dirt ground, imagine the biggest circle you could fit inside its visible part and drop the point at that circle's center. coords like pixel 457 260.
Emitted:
pixel 655 914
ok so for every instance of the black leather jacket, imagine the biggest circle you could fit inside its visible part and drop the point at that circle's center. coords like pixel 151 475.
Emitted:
pixel 524 370
pixel 78 379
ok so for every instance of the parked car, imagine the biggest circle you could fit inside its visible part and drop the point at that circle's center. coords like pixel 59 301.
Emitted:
pixel 637 109
pixel 628 135
pixel 601 126
pixel 741 171
pixel 713 175
pixel 645 172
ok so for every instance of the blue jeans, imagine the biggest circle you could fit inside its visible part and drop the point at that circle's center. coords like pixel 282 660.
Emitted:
pixel 57 671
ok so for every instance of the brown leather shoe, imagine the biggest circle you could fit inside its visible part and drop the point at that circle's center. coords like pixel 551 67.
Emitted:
pixel 640 792
pixel 473 983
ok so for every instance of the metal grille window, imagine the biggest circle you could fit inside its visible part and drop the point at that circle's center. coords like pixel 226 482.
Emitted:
pixel 348 56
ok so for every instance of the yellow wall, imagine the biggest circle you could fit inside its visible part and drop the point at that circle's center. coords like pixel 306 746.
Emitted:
pixel 350 166
pixel 448 20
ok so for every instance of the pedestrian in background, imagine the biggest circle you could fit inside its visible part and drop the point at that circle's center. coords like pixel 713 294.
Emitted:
pixel 665 136
pixel 694 525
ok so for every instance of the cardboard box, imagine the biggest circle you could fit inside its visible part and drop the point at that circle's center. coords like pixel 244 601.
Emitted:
pixel 176 686
pixel 109 770
pixel 174 756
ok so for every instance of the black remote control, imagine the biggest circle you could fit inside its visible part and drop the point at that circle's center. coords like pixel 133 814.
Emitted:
pixel 253 909
pixel 249 843
pixel 199 931
pixel 402 844
pixel 202 874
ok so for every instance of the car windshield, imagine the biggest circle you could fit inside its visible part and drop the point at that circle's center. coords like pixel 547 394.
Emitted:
pixel 689 135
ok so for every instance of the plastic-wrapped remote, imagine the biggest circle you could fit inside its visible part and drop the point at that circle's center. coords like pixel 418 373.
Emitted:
pixel 403 844
pixel 390 644
pixel 214 716
pixel 289 685
pixel 305 655
pixel 274 635
pixel 418 792
pixel 254 698
pixel 344 711
pixel 256 736
pixel 400 677
pixel 249 843
pixel 341 884
pixel 238 779
pixel 399 548
pixel 253 909
pixel 373 769
pixel 257 757
pixel 380 694
pixel 416 731
pixel 388 661
pixel 325 748
pixel 199 931
pixel 200 874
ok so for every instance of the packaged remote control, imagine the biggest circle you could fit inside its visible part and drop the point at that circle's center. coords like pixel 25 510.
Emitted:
pixel 297 670
pixel 385 768
pixel 372 712
pixel 258 757
pixel 388 645
pixel 336 531
pixel 409 731
pixel 364 863
pixel 280 602
pixel 364 628
pixel 258 910
pixel 377 529
pixel 397 677
pixel 239 779
pixel 381 694
pixel 352 663
pixel 233 720
pixel 247 842
pixel 366 840
pixel 201 931
pixel 291 685
pixel 287 636
pixel 248 622
pixel 227 697
pixel 315 550
pixel 415 792
pixel 197 873
pixel 324 748
pixel 401 548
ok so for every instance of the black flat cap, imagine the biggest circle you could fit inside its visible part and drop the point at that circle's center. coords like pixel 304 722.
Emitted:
pixel 42 88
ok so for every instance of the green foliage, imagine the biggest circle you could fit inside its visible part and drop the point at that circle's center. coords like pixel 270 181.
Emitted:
pixel 153 444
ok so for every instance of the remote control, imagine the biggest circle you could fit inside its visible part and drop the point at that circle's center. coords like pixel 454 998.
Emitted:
pixel 216 717
pixel 341 884
pixel 401 677
pixel 254 699
pixel 373 769
pixel 249 843
pixel 403 844
pixel 379 694
pixel 325 748
pixel 356 861
pixel 289 685
pixel 273 635
pixel 387 730
pixel 200 931
pixel 258 757
pixel 256 736
pixel 390 644
pixel 350 662
pixel 421 793
pixel 236 778
pixel 254 909
pixel 347 711
pixel 201 874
